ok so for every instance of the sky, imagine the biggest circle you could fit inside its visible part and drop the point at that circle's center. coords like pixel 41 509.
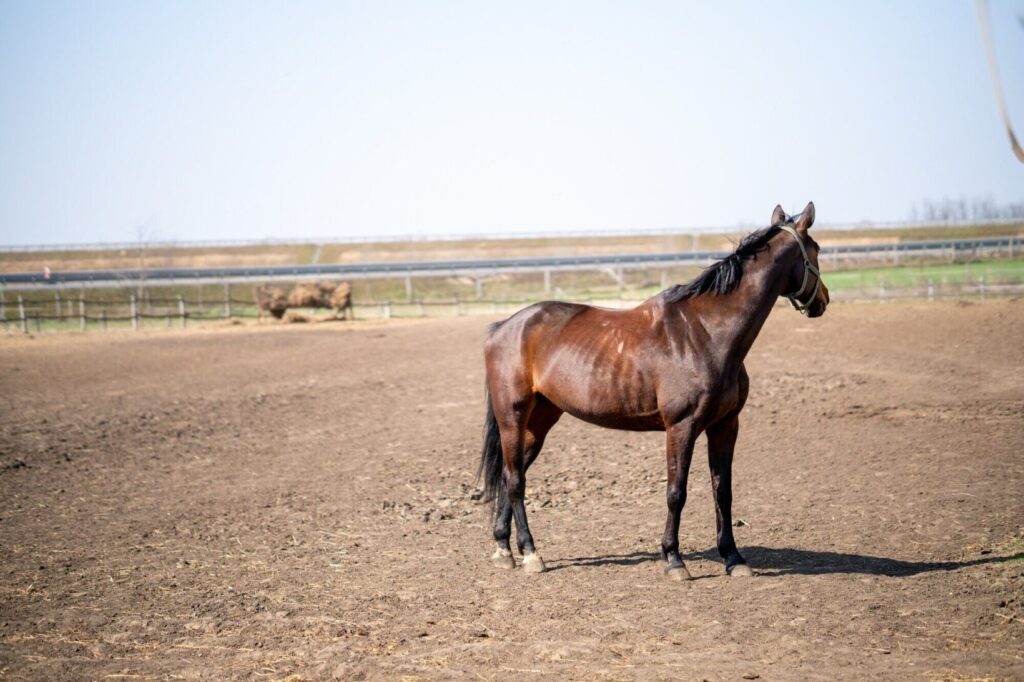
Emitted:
pixel 189 120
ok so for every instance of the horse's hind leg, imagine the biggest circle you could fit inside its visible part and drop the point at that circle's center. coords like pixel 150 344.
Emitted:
pixel 520 445
pixel 542 418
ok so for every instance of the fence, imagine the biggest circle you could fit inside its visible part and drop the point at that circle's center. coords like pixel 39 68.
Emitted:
pixel 105 313
pixel 136 312
pixel 932 291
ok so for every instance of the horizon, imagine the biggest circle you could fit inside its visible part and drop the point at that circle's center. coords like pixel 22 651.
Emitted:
pixel 318 121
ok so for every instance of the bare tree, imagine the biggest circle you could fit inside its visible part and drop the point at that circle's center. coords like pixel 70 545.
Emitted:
pixel 964 209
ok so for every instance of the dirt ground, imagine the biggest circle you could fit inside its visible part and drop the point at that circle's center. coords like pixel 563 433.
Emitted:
pixel 298 503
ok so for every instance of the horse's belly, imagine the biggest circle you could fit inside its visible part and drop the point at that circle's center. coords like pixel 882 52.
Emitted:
pixel 625 422
pixel 615 393
pixel 609 410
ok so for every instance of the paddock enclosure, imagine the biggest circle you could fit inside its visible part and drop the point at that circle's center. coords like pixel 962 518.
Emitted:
pixel 289 503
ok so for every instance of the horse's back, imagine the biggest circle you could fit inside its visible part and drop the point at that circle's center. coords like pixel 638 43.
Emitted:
pixel 544 317
pixel 549 319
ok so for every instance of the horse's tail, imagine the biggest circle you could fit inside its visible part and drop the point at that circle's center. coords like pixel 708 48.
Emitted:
pixel 491 459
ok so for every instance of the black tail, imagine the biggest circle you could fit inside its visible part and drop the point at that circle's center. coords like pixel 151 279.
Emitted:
pixel 491 460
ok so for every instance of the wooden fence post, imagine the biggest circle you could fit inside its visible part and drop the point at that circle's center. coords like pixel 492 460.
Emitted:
pixel 56 301
pixel 181 309
pixel 103 318
pixel 227 300
pixel 135 313
pixel 21 315
pixel 931 290
pixel 81 311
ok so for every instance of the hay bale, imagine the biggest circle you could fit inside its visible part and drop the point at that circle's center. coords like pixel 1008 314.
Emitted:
pixel 273 300
pixel 307 296
pixel 341 297
pixel 325 294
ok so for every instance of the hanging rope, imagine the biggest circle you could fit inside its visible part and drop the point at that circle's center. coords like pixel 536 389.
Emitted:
pixel 986 37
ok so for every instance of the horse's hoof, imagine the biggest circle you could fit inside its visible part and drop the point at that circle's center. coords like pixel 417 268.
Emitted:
pixel 532 563
pixel 677 573
pixel 740 571
pixel 502 558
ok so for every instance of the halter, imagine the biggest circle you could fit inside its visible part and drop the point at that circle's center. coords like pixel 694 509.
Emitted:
pixel 794 299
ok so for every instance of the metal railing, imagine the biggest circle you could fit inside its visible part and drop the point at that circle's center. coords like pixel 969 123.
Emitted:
pixel 951 248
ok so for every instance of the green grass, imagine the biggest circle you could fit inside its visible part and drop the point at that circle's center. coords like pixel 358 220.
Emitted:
pixel 1017 547
pixel 905 277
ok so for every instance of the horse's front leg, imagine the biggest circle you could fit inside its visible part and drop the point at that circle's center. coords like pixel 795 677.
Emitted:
pixel 680 438
pixel 721 444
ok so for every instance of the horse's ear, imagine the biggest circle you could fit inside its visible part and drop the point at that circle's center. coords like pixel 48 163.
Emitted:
pixel 778 216
pixel 806 217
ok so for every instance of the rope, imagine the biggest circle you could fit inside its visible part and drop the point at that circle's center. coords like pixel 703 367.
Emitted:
pixel 986 37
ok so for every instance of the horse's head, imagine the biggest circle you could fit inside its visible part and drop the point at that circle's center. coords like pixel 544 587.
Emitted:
pixel 807 291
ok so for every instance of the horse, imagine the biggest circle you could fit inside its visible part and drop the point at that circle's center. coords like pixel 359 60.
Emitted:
pixel 674 363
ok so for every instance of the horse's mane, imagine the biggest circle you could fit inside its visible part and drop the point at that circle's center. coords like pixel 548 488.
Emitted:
pixel 723 276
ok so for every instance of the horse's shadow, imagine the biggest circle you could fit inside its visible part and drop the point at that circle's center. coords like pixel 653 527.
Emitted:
pixel 772 561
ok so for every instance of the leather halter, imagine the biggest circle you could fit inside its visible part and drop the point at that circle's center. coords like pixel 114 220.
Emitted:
pixel 794 299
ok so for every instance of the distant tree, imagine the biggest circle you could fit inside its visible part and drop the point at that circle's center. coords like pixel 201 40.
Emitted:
pixel 964 209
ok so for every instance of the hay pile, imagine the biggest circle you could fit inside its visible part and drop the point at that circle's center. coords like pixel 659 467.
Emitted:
pixel 335 295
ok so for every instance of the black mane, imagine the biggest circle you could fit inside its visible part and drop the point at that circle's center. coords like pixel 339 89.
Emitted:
pixel 723 276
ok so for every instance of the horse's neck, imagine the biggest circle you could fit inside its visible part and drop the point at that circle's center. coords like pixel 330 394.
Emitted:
pixel 737 317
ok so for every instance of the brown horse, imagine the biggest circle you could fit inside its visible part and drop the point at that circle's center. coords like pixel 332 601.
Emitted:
pixel 674 363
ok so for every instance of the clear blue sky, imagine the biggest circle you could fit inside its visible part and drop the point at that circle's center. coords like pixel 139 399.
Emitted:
pixel 232 120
